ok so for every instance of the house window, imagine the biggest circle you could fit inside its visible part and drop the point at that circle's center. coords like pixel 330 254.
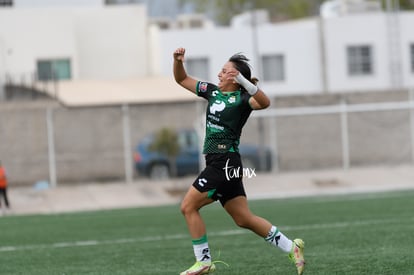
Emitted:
pixel 273 67
pixel 198 67
pixel 53 69
pixel 359 60
pixel 6 3
pixel 412 57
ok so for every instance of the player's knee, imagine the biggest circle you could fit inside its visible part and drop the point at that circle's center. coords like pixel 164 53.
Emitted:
pixel 241 222
pixel 183 208
pixel 186 208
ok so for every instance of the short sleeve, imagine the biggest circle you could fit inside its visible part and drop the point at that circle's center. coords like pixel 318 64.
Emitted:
pixel 204 89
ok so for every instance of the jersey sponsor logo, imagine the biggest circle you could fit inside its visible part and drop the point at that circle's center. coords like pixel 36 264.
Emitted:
pixel 232 99
pixel 217 106
pixel 214 126
pixel 202 181
pixel 203 87
pixel 212 117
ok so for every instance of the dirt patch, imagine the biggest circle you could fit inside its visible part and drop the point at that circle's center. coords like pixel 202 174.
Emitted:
pixel 327 182
pixel 176 191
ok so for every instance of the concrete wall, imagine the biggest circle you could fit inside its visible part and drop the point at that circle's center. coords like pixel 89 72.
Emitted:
pixel 315 141
pixel 89 141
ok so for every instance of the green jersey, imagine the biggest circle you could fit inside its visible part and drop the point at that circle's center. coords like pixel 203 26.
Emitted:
pixel 226 115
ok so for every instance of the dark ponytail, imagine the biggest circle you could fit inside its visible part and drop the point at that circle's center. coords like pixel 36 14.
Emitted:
pixel 240 63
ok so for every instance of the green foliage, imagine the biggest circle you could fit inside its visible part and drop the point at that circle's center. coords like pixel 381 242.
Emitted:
pixel 166 142
pixel 350 234
pixel 403 4
pixel 298 8
pixel 224 10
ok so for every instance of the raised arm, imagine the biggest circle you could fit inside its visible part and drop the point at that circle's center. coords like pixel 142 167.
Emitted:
pixel 258 99
pixel 180 75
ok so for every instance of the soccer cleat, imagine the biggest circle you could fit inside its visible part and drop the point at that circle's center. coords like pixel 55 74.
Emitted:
pixel 296 255
pixel 200 268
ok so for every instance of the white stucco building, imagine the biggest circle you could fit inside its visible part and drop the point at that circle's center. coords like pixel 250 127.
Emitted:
pixel 79 41
pixel 358 52
pixel 87 41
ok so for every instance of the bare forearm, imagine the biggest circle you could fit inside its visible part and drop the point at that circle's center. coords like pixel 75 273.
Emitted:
pixel 179 71
pixel 180 75
pixel 260 100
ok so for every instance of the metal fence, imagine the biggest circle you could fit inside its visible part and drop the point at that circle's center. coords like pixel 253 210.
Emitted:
pixel 59 145
pixel 43 141
pixel 403 112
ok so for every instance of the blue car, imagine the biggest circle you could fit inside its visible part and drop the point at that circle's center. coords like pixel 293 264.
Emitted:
pixel 156 165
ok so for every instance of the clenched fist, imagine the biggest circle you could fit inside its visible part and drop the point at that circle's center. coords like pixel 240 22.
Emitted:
pixel 179 54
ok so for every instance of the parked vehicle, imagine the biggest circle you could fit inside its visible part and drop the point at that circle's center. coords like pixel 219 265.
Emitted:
pixel 155 165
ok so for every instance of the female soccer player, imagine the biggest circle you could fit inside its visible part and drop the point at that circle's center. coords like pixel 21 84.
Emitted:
pixel 229 106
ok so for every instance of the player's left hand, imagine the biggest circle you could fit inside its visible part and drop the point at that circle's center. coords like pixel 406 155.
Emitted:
pixel 231 75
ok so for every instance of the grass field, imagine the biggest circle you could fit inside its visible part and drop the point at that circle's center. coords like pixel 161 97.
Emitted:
pixel 353 234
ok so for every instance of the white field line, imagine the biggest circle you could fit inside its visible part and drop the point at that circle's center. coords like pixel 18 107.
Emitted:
pixel 185 236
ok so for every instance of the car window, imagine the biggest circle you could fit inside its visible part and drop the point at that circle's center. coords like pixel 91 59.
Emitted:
pixel 193 140
pixel 147 140
pixel 187 140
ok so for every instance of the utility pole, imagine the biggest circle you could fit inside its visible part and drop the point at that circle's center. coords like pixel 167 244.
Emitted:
pixel 258 63
pixel 394 44
pixel 3 68
pixel 322 51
